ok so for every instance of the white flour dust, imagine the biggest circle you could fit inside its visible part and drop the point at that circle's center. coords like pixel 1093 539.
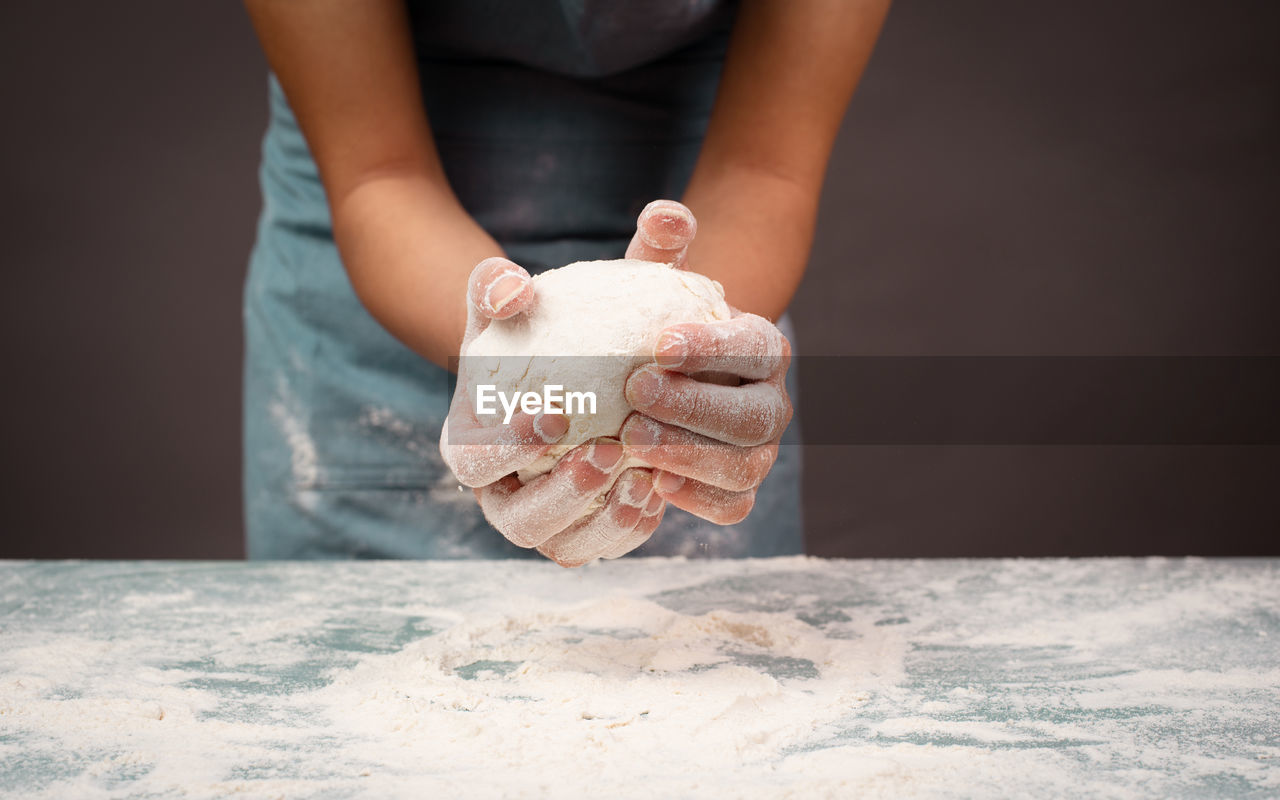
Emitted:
pixel 291 421
pixel 611 682
pixel 792 677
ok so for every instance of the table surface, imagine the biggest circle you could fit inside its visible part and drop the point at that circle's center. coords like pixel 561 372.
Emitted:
pixel 662 678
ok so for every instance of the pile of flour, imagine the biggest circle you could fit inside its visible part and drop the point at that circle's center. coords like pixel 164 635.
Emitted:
pixel 613 682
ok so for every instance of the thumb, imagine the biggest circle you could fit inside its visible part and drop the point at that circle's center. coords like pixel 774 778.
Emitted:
pixel 663 233
pixel 497 289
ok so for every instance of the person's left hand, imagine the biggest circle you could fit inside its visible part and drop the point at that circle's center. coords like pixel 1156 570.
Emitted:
pixel 710 444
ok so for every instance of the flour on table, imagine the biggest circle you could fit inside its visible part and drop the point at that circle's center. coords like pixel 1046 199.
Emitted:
pixel 794 677
pixel 612 679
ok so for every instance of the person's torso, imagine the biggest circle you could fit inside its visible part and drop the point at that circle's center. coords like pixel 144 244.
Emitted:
pixel 558 120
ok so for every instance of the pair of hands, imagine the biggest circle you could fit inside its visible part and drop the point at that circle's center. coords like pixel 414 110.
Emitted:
pixel 705 444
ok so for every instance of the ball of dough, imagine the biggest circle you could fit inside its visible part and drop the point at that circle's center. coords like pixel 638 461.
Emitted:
pixel 592 324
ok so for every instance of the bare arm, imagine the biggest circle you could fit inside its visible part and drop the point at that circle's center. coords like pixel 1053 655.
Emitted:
pixel 407 244
pixel 791 70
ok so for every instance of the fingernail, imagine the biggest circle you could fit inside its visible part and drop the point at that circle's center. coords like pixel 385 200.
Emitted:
pixel 503 291
pixel 654 505
pixel 666 225
pixel 639 491
pixel 551 427
pixel 639 433
pixel 605 454
pixel 643 388
pixel 668 482
pixel 671 350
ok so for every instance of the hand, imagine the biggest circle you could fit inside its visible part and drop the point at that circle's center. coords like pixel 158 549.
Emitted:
pixel 479 454
pixel 711 444
pixel 560 512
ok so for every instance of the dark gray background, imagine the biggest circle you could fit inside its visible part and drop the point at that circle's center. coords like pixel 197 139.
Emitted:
pixel 1088 178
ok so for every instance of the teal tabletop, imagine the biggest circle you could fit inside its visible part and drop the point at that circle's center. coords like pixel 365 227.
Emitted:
pixel 786 677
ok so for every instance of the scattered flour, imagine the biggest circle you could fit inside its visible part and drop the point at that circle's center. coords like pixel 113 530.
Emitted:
pixel 610 681
pixel 292 424
pixel 787 677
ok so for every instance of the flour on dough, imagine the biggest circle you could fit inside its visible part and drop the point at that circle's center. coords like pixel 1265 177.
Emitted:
pixel 593 323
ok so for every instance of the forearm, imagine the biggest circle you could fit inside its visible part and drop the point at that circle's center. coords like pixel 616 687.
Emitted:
pixel 409 248
pixel 349 72
pixel 755 230
pixel 791 68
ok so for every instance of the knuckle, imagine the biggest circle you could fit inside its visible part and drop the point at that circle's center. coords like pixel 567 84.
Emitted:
pixel 755 429
pixel 756 324
pixel 519 433
pixel 696 336
pixel 773 336
pixel 783 418
pixel 739 482
pixel 764 419
pixel 468 473
pixel 778 415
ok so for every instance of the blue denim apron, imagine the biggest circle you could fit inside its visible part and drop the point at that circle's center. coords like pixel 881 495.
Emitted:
pixel 555 129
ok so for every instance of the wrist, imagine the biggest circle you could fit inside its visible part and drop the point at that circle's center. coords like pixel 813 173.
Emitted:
pixel 755 230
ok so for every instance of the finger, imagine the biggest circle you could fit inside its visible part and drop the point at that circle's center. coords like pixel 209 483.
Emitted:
pixel 746 415
pixel 532 513
pixel 711 503
pixel 498 289
pixel 602 531
pixel 748 346
pixel 663 233
pixel 675 449
pixel 479 455
pixel 649 522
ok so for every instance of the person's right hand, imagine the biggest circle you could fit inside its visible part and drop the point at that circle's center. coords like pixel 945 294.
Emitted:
pixel 480 454
pixel 553 512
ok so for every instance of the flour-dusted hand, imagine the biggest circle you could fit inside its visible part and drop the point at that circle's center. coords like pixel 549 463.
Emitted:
pixel 749 349
pixel 713 406
pixel 479 455
pixel 559 512
pixel 593 503
pixel 626 521
pixel 531 513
